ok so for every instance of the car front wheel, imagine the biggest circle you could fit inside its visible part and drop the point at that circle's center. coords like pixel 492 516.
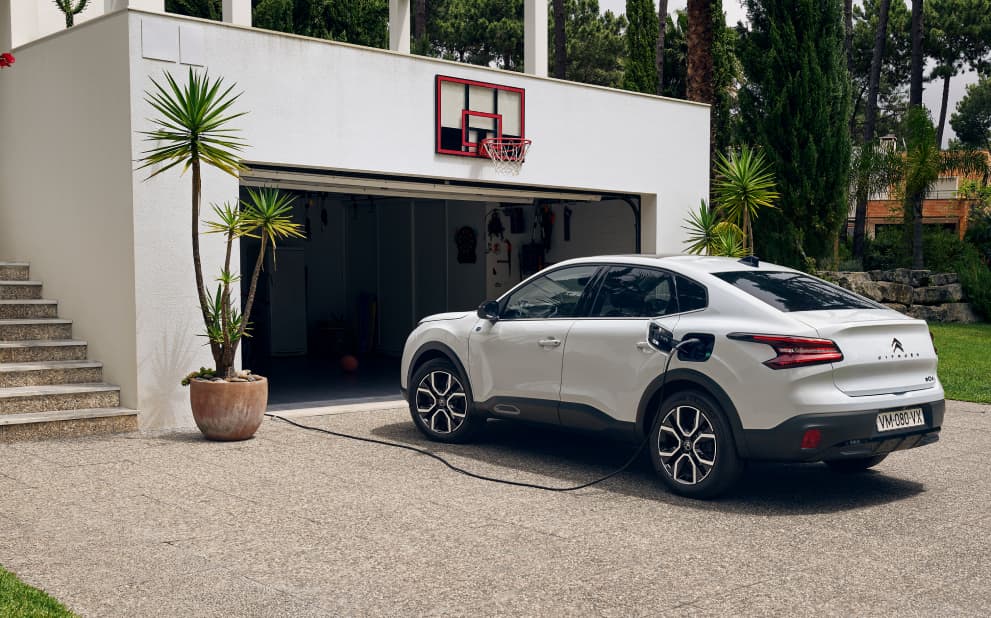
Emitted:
pixel 691 446
pixel 440 403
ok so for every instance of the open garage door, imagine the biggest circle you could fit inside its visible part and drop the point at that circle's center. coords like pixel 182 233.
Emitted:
pixel 334 310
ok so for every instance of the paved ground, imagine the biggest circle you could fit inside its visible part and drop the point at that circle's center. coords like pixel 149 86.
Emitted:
pixel 295 523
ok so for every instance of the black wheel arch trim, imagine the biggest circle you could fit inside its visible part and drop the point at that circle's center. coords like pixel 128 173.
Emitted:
pixel 449 354
pixel 705 384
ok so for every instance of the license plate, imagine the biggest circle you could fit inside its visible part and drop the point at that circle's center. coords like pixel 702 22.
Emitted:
pixel 900 419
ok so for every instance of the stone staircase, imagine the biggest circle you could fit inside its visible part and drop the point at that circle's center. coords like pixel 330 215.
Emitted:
pixel 48 389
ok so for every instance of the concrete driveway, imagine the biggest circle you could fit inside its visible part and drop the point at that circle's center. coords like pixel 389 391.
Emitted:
pixel 295 523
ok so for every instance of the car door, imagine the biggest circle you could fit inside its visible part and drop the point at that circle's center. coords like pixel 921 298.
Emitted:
pixel 608 363
pixel 515 362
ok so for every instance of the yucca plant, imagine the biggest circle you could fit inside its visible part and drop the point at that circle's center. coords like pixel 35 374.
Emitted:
pixel 708 233
pixel 193 130
pixel 70 9
pixel 744 185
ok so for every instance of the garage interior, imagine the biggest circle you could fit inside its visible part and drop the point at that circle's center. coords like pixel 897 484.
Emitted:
pixel 333 311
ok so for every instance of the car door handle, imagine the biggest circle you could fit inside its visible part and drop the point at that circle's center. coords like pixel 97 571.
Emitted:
pixel 551 342
pixel 645 347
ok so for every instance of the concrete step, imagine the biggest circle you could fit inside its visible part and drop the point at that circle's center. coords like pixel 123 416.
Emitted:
pixel 28 308
pixel 12 290
pixel 14 271
pixel 25 399
pixel 67 423
pixel 47 350
pixel 40 328
pixel 40 373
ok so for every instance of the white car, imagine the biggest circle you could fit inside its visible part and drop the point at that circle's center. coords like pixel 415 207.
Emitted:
pixel 711 360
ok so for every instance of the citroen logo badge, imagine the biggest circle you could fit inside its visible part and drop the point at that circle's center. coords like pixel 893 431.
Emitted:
pixel 896 346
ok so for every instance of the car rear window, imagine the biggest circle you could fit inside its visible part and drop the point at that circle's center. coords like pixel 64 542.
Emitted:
pixel 787 291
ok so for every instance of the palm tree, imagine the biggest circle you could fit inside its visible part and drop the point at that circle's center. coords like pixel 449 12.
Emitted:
pixel 744 185
pixel 192 131
pixel 700 51
pixel 709 234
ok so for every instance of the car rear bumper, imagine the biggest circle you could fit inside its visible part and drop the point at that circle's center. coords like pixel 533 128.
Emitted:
pixel 844 435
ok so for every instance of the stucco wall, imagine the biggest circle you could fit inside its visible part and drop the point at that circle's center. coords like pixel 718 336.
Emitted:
pixel 65 184
pixel 115 247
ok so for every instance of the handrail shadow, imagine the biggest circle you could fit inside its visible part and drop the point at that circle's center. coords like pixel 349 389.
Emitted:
pixel 573 458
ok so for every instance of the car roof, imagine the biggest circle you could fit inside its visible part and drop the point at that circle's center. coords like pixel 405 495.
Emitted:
pixel 685 264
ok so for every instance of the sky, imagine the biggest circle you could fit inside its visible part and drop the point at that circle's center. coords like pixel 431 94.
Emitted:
pixel 932 92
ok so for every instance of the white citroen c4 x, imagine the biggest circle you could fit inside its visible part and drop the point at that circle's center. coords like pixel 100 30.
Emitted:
pixel 711 361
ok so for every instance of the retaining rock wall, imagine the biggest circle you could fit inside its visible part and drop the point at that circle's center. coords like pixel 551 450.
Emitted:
pixel 936 297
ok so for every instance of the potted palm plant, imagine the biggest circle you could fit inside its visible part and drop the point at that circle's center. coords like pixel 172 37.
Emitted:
pixel 193 130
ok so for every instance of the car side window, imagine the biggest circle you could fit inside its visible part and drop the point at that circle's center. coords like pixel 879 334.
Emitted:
pixel 631 292
pixel 554 295
pixel 691 295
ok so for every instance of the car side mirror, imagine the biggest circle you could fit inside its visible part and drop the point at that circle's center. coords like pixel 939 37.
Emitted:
pixel 660 338
pixel 489 310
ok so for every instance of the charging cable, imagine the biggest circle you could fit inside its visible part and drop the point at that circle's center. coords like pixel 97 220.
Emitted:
pixel 483 477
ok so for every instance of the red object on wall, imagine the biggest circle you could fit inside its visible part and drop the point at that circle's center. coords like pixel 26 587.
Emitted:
pixel 6 59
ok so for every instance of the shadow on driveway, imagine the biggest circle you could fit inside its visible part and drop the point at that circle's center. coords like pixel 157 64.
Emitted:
pixel 573 458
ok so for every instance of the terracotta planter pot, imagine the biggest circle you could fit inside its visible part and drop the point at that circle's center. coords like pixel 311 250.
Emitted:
pixel 228 410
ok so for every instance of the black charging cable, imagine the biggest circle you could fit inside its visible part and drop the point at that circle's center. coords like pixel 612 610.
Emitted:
pixel 493 479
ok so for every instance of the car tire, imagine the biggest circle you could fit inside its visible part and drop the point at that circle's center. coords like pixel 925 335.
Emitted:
pixel 692 448
pixel 441 404
pixel 851 466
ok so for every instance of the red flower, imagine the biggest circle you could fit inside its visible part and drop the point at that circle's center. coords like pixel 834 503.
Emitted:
pixel 6 60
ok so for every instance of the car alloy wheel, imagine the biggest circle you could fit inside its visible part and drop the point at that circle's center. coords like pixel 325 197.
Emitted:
pixel 441 402
pixel 686 445
pixel 692 447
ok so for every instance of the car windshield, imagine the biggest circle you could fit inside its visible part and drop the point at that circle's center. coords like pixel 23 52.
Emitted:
pixel 789 291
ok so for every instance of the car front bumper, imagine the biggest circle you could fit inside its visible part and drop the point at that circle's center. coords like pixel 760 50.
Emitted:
pixel 847 435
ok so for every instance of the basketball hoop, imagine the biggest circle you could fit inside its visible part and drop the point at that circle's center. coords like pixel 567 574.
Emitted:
pixel 507 153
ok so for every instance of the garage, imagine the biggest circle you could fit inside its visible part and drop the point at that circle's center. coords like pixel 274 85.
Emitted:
pixel 333 310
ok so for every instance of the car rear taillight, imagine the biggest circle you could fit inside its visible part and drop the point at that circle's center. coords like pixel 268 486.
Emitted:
pixel 794 351
pixel 811 438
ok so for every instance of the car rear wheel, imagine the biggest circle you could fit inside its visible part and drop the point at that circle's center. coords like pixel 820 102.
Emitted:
pixel 440 403
pixel 859 464
pixel 691 446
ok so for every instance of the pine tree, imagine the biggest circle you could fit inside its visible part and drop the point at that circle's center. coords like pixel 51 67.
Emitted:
pixel 640 72
pixel 795 104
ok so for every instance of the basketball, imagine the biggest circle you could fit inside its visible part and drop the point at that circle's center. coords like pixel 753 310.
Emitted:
pixel 349 363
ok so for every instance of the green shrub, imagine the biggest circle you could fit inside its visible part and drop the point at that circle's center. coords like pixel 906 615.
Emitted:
pixel 979 231
pixel 944 252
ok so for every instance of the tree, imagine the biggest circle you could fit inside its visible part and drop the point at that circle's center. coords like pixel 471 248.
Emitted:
pixel 595 47
pixel 700 87
pixel 972 119
pixel 918 58
pixel 924 163
pixel 640 72
pixel 362 22
pixel 193 130
pixel 662 21
pixel 744 185
pixel 204 9
pixel 676 55
pixel 867 150
pixel 560 42
pixel 958 35
pixel 895 66
pixel 483 32
pixel 795 105
pixel 71 8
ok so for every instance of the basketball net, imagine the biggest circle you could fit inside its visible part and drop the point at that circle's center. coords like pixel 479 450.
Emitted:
pixel 507 153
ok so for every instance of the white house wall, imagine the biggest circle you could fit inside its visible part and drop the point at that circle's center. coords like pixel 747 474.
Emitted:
pixel 75 106
pixel 65 185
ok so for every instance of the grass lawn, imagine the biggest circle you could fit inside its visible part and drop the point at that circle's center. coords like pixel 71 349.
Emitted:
pixel 19 599
pixel 964 360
